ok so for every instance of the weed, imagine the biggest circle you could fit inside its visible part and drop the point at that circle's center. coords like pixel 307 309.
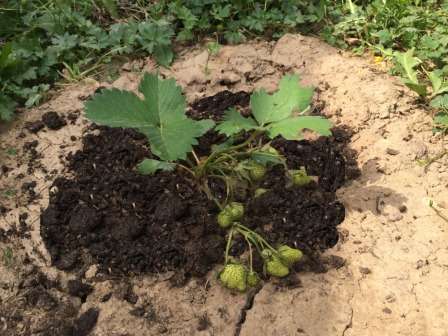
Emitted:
pixel 8 257
pixel 11 151
pixel 10 193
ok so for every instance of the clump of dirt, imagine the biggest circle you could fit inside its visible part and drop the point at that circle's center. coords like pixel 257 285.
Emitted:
pixel 40 307
pixel 128 223
pixel 53 120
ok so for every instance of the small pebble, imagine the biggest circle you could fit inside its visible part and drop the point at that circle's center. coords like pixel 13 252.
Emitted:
pixel 364 270
pixel 391 151
pixel 387 311
pixel 402 208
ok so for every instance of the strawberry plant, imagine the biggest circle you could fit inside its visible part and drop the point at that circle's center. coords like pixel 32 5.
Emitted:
pixel 242 161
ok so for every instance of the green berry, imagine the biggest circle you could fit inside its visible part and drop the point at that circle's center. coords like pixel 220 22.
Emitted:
pixel 236 210
pixel 260 191
pixel 257 171
pixel 266 254
pixel 276 268
pixel 289 255
pixel 300 177
pixel 225 219
pixel 253 279
pixel 273 151
pixel 234 276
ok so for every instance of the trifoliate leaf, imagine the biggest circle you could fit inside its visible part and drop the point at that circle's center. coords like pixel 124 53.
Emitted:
pixel 160 116
pixel 149 166
pixel 291 128
pixel 233 123
pixel 290 96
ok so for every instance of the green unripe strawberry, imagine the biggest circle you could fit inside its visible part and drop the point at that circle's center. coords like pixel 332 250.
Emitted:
pixel 276 268
pixel 253 279
pixel 289 255
pixel 234 276
pixel 257 171
pixel 260 191
pixel 236 210
pixel 273 151
pixel 225 219
pixel 300 177
pixel 266 254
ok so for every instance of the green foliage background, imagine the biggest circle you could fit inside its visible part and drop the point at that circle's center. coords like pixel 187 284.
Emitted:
pixel 41 40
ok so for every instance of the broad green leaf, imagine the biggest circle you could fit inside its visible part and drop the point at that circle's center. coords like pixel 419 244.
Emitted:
pixel 204 125
pixel 408 62
pixel 438 85
pixel 118 108
pixel 440 101
pixel 6 108
pixel 292 128
pixel 290 96
pixel 441 120
pixel 436 81
pixel 160 116
pixel 174 140
pixel 164 55
pixel 234 123
pixel 420 89
pixel 150 166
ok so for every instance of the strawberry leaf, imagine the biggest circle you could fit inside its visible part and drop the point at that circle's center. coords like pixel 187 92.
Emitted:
pixel 149 166
pixel 291 128
pixel 116 108
pixel 440 101
pixel 441 122
pixel 290 96
pixel 160 116
pixel 234 123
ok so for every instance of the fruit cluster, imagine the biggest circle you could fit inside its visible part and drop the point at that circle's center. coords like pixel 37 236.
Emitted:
pixel 277 262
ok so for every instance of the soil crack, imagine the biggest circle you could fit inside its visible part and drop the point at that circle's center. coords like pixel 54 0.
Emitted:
pixel 349 325
pixel 250 298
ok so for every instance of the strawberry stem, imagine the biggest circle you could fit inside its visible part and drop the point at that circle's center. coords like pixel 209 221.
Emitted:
pixel 229 243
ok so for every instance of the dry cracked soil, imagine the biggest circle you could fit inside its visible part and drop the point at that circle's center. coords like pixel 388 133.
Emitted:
pixel 385 276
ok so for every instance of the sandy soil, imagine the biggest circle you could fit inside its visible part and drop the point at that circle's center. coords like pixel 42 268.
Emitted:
pixel 392 278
